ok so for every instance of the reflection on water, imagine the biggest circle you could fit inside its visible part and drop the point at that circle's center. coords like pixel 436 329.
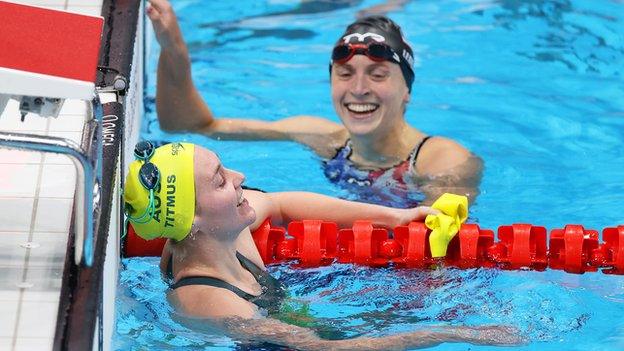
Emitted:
pixel 278 24
pixel 569 33
pixel 245 28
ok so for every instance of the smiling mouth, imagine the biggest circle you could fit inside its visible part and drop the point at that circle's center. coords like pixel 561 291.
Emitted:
pixel 361 108
pixel 241 199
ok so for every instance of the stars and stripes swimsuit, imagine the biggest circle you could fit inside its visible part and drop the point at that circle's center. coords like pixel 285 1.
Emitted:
pixel 393 186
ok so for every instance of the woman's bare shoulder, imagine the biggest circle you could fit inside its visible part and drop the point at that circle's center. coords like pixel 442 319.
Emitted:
pixel 440 154
pixel 202 301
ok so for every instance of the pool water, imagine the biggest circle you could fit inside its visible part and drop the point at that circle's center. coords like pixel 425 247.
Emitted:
pixel 535 88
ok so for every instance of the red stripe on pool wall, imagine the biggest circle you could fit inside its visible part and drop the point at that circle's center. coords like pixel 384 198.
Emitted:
pixel 49 42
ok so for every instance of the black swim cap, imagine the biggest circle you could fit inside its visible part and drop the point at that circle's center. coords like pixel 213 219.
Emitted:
pixel 381 29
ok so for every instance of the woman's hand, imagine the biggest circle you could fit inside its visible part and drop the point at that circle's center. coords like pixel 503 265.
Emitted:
pixel 415 214
pixel 165 24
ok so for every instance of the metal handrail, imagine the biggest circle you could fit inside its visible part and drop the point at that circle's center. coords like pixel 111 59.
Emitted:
pixel 88 163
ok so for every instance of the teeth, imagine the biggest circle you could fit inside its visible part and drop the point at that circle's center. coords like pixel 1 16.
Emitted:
pixel 361 107
pixel 240 199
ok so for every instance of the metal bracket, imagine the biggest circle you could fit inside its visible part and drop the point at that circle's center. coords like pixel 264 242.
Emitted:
pixel 88 162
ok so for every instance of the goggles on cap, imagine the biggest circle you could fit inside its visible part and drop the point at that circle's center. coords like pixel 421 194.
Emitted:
pixel 374 50
pixel 149 177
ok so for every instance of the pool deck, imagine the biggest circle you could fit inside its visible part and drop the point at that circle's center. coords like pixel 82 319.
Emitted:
pixel 36 196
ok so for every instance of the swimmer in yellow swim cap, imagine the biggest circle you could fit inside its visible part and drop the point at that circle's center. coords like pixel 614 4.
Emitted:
pixel 217 278
pixel 160 200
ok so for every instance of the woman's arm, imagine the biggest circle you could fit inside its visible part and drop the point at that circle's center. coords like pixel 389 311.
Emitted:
pixel 181 108
pixel 279 333
pixel 285 207
pixel 179 105
pixel 207 308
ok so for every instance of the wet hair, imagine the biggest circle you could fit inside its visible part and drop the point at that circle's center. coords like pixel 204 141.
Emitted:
pixel 393 37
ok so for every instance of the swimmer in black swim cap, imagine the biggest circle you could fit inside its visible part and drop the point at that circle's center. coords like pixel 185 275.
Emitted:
pixel 372 152
pixel 379 38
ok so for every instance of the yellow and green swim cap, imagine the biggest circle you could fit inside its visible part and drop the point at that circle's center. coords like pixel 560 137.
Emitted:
pixel 174 196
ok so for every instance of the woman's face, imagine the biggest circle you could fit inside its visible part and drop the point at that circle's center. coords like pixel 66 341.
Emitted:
pixel 368 96
pixel 221 207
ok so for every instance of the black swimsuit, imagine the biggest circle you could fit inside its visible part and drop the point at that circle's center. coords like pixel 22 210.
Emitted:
pixel 271 298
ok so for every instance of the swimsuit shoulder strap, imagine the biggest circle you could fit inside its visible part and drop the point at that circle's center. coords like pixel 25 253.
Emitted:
pixel 274 291
pixel 169 273
pixel 422 142
pixel 343 152
pixel 216 282
pixel 211 281
pixel 256 271
pixel 414 156
pixel 250 266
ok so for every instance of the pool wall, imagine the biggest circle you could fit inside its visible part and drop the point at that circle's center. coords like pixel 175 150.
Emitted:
pixel 86 318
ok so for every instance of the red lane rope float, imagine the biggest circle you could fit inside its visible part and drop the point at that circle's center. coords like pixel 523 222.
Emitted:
pixel 135 246
pixel 312 243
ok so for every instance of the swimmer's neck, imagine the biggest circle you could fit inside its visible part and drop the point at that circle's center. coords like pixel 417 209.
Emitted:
pixel 205 255
pixel 385 149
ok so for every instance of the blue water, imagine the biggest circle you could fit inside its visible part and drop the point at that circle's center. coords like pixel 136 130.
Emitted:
pixel 533 87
